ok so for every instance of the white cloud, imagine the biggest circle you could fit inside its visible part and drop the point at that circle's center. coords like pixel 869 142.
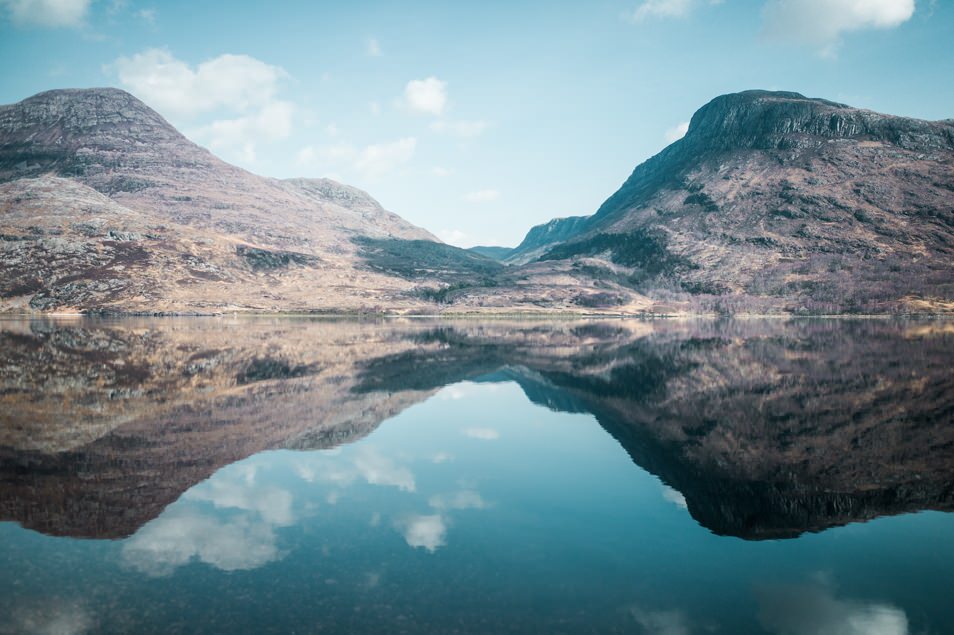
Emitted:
pixel 375 108
pixel 441 171
pixel 374 48
pixel 460 128
pixel 820 23
pixel 240 536
pixel 428 96
pixel 484 434
pixel 426 531
pixel 373 160
pixel 653 9
pixel 239 136
pixel 677 132
pixel 482 196
pixel 674 496
pixel 442 457
pixel 239 91
pixel 381 158
pixel 452 236
pixel 272 504
pixel 47 13
pixel 813 608
pixel 147 15
pixel 377 469
pixel 184 533
pixel 332 130
pixel 236 82
pixel 366 464
pixel 662 9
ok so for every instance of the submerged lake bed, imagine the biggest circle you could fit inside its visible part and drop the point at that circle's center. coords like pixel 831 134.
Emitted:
pixel 298 475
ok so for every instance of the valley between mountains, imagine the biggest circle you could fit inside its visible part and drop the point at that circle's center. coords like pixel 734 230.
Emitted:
pixel 771 203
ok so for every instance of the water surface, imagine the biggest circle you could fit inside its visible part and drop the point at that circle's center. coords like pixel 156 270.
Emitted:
pixel 267 475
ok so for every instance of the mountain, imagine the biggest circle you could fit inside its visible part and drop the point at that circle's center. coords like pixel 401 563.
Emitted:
pixel 537 241
pixel 494 253
pixel 541 237
pixel 106 207
pixel 773 201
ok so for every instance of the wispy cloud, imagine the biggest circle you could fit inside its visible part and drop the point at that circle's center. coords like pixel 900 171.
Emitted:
pixel 461 128
pixel 805 609
pixel 47 13
pixel 452 236
pixel 484 434
pixel 464 499
pixel 662 9
pixel 677 132
pixel 482 196
pixel 373 48
pixel 381 158
pixel 820 23
pixel 373 160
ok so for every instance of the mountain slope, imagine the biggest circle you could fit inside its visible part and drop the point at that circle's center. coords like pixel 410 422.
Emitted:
pixel 105 206
pixel 776 201
pixel 541 237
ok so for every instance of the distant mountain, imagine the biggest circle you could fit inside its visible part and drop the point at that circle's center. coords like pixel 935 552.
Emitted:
pixel 106 207
pixel 541 237
pixel 495 253
pixel 537 241
pixel 774 201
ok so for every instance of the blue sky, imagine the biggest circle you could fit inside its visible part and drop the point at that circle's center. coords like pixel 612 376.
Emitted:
pixel 472 120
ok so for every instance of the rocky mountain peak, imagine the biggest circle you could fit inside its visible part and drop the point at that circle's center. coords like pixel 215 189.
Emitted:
pixel 760 119
pixel 87 133
pixel 69 116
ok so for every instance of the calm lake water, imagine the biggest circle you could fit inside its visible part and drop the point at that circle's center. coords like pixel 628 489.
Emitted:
pixel 318 476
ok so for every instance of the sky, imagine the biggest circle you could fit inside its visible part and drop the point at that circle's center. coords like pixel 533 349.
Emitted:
pixel 473 120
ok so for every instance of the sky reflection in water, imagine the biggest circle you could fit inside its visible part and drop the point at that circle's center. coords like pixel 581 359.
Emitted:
pixel 475 510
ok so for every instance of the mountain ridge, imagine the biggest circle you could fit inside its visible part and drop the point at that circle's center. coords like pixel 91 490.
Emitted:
pixel 200 234
pixel 772 202
pixel 770 199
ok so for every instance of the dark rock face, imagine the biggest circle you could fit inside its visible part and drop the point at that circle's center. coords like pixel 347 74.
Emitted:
pixel 781 202
pixel 778 120
pixel 540 237
pixel 494 253
pixel 91 134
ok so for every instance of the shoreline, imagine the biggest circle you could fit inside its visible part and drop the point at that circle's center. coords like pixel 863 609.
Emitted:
pixel 491 315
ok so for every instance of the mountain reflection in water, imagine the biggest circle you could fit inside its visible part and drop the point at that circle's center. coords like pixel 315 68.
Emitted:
pixel 758 429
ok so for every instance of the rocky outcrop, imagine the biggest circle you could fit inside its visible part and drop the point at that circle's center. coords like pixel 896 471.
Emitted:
pixel 542 237
pixel 776 202
pixel 84 170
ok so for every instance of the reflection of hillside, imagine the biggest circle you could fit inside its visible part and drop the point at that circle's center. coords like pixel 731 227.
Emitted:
pixel 88 450
pixel 768 429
